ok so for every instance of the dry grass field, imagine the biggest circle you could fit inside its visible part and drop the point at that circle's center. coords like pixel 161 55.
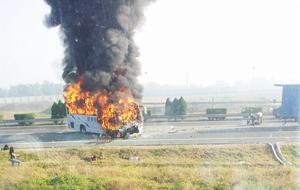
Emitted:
pixel 212 167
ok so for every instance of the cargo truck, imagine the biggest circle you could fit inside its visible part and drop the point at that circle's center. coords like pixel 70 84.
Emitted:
pixel 216 113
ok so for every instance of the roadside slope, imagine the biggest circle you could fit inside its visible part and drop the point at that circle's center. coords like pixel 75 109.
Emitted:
pixel 160 167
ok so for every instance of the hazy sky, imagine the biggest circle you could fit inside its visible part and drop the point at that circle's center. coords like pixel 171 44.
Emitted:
pixel 181 42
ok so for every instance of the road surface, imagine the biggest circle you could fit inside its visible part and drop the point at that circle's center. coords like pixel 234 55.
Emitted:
pixel 168 133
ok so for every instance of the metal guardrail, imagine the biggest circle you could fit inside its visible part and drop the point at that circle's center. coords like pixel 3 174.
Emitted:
pixel 203 115
pixel 52 121
pixel 221 102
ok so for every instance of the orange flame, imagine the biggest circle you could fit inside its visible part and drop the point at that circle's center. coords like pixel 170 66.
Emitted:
pixel 111 114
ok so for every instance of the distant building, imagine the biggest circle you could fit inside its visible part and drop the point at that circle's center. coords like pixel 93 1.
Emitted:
pixel 290 104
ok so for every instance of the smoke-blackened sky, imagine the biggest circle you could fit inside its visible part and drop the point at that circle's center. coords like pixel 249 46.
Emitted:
pixel 98 40
pixel 239 38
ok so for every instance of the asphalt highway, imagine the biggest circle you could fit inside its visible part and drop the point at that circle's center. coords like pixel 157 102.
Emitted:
pixel 162 133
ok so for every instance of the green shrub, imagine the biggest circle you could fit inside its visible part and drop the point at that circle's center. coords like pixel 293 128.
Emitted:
pixel 222 184
pixel 58 110
pixel 182 106
pixel 65 182
pixel 1 117
pixel 168 107
pixel 176 108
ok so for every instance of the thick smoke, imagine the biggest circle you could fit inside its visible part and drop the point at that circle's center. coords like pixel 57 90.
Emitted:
pixel 98 40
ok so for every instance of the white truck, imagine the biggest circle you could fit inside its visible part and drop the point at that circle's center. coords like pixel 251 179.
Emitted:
pixel 89 124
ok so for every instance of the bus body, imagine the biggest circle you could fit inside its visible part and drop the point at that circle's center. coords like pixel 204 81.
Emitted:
pixel 85 123
pixel 89 124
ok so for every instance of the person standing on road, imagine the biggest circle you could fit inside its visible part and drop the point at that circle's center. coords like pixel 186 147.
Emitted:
pixel 13 157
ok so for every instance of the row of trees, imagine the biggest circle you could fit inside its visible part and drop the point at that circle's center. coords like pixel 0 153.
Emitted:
pixel 39 89
pixel 176 108
pixel 58 110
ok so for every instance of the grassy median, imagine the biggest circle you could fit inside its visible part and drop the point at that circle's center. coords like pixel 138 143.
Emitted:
pixel 167 167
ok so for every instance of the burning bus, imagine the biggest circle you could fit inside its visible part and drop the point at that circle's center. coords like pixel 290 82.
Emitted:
pixel 100 65
pixel 90 124
pixel 96 112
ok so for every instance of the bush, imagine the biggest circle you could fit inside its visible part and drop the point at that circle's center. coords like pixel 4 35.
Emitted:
pixel 168 107
pixel 1 117
pixel 65 182
pixel 23 117
pixel 176 108
pixel 58 110
pixel 182 106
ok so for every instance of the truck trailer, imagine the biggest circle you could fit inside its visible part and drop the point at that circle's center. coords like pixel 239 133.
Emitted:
pixel 290 103
pixel 216 113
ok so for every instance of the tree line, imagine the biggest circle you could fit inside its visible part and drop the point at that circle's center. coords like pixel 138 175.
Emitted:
pixel 39 89
pixel 175 109
pixel 58 110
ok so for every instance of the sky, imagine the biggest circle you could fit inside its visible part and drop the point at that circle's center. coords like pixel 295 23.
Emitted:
pixel 182 42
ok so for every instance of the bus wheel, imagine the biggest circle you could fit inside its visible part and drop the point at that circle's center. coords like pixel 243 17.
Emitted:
pixel 82 129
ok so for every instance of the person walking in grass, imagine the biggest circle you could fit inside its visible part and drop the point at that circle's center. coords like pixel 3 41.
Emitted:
pixel 13 157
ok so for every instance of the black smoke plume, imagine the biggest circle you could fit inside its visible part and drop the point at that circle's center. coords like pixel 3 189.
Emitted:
pixel 98 40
